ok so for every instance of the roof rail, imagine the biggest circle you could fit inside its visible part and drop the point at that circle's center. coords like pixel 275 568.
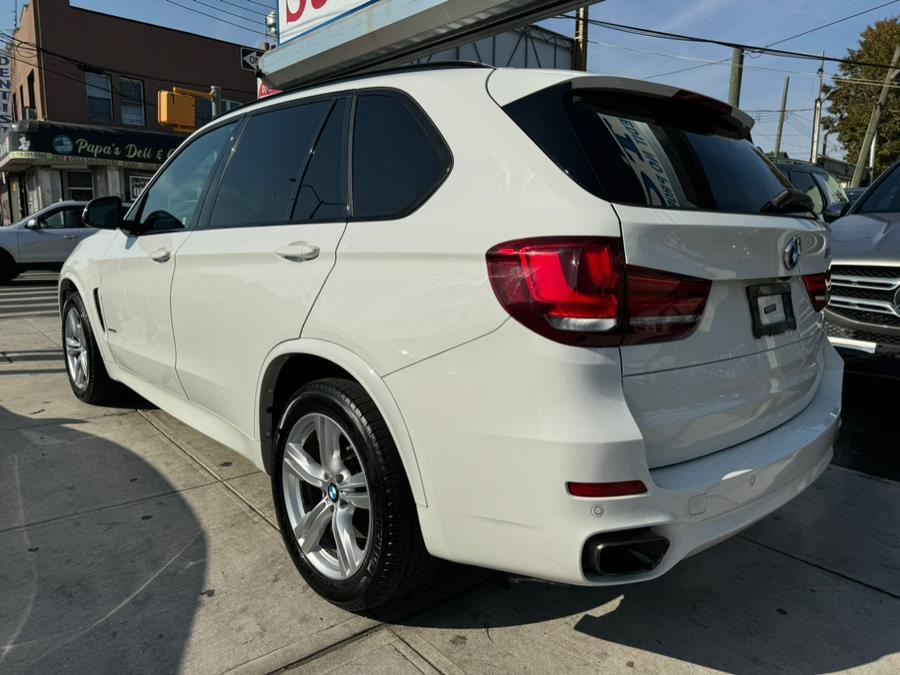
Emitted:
pixel 373 72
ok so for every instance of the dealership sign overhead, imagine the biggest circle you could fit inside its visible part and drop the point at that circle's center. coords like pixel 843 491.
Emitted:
pixel 296 17
pixel 321 39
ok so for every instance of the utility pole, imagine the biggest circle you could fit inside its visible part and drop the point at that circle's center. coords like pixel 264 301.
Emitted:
pixel 787 83
pixel 873 121
pixel 817 114
pixel 737 72
pixel 581 38
pixel 215 99
pixel 872 156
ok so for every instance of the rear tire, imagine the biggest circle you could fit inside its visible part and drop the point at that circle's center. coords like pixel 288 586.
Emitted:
pixel 84 364
pixel 8 269
pixel 362 484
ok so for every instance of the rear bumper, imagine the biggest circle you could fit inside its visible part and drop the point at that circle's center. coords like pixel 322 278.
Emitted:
pixel 497 442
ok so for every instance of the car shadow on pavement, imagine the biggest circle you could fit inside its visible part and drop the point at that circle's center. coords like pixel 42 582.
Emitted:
pixel 736 608
pixel 102 560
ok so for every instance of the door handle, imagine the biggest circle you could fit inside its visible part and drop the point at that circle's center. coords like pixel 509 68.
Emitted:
pixel 298 252
pixel 161 255
pixel 70 236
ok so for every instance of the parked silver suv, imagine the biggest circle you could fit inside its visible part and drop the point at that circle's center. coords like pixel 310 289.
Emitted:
pixel 43 240
pixel 864 311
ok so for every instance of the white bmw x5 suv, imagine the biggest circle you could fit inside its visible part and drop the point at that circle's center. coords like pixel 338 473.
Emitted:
pixel 560 325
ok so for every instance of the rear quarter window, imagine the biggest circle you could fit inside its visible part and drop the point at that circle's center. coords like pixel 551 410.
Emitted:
pixel 636 151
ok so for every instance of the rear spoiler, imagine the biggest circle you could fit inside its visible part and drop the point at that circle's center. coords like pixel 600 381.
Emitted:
pixel 726 117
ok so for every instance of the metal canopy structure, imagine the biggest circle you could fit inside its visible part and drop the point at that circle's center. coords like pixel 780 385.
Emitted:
pixel 525 47
pixel 321 39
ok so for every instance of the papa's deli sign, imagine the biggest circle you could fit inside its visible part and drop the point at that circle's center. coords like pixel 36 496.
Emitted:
pixel 129 152
pixel 110 146
pixel 298 17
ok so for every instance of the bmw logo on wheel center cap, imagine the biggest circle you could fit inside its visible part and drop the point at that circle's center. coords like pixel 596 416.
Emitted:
pixel 332 492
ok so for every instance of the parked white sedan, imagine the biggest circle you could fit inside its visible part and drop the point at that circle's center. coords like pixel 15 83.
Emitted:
pixel 561 325
pixel 43 240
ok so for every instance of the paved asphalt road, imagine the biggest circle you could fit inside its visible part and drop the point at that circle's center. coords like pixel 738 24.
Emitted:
pixel 130 543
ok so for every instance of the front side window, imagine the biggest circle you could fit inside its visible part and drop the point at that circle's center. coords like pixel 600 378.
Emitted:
pixel 171 202
pixel 398 160
pixel 53 221
pixel 803 181
pixel 99 95
pixel 883 197
pixel 831 188
pixel 261 180
pixel 132 94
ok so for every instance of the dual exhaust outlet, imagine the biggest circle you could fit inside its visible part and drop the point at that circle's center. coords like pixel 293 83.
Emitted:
pixel 623 553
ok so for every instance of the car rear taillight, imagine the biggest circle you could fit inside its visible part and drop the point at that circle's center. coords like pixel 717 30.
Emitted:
pixel 578 290
pixel 819 288
pixel 663 306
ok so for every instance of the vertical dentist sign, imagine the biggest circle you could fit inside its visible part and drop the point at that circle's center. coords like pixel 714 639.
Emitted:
pixel 322 39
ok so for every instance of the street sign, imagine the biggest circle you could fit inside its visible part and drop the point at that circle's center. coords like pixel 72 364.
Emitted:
pixel 250 59
pixel 319 39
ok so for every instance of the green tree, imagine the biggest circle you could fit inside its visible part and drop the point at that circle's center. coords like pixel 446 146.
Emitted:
pixel 852 102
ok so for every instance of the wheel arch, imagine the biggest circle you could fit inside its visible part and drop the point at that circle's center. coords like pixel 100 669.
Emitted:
pixel 296 362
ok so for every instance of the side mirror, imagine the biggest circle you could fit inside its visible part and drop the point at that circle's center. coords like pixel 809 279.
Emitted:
pixel 834 211
pixel 104 213
pixel 32 224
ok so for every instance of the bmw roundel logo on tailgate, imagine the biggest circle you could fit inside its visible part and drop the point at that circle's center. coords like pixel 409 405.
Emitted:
pixel 792 253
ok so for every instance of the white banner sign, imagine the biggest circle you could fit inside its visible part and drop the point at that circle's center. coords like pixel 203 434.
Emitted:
pixel 298 17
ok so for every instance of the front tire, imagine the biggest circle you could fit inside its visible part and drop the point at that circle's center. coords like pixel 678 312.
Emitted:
pixel 84 365
pixel 344 505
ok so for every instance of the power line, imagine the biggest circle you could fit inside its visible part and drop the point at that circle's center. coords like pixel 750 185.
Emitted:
pixel 786 53
pixel 81 65
pixel 225 11
pixel 230 23
pixel 253 2
pixel 835 22
pixel 263 14
pixel 777 42
pixel 745 66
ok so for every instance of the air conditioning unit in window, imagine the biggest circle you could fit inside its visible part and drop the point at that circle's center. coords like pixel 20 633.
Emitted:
pixel 30 114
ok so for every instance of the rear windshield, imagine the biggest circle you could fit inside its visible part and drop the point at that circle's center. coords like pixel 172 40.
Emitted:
pixel 649 153
pixel 882 197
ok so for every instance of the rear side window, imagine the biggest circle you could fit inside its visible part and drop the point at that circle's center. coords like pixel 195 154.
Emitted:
pixel 261 179
pixel 398 159
pixel 323 188
pixel 648 151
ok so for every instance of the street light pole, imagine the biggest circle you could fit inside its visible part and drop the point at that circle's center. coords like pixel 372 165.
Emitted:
pixel 817 123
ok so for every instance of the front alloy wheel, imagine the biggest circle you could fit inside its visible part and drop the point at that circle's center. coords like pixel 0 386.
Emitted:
pixel 77 355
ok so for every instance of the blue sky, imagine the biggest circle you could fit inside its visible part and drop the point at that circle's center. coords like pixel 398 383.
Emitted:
pixel 754 22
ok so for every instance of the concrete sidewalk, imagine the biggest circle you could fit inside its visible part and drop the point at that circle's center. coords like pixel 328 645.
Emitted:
pixel 131 543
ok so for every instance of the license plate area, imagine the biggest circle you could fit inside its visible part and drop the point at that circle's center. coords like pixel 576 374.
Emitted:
pixel 771 309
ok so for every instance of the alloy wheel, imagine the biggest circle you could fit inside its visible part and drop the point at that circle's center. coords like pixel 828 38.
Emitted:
pixel 326 495
pixel 77 356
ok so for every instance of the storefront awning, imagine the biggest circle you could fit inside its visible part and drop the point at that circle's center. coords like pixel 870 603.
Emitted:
pixel 32 143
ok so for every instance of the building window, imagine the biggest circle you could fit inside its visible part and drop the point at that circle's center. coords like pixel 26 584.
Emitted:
pixel 15 107
pixel 32 102
pixel 79 185
pixel 132 93
pixel 99 97
pixel 204 109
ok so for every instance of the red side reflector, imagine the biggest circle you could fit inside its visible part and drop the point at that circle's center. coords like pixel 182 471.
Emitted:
pixel 620 489
pixel 818 286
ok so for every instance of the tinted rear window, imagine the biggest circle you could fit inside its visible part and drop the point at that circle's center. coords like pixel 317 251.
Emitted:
pixel 647 155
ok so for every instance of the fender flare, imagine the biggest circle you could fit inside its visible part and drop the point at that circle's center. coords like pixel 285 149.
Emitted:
pixel 364 374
